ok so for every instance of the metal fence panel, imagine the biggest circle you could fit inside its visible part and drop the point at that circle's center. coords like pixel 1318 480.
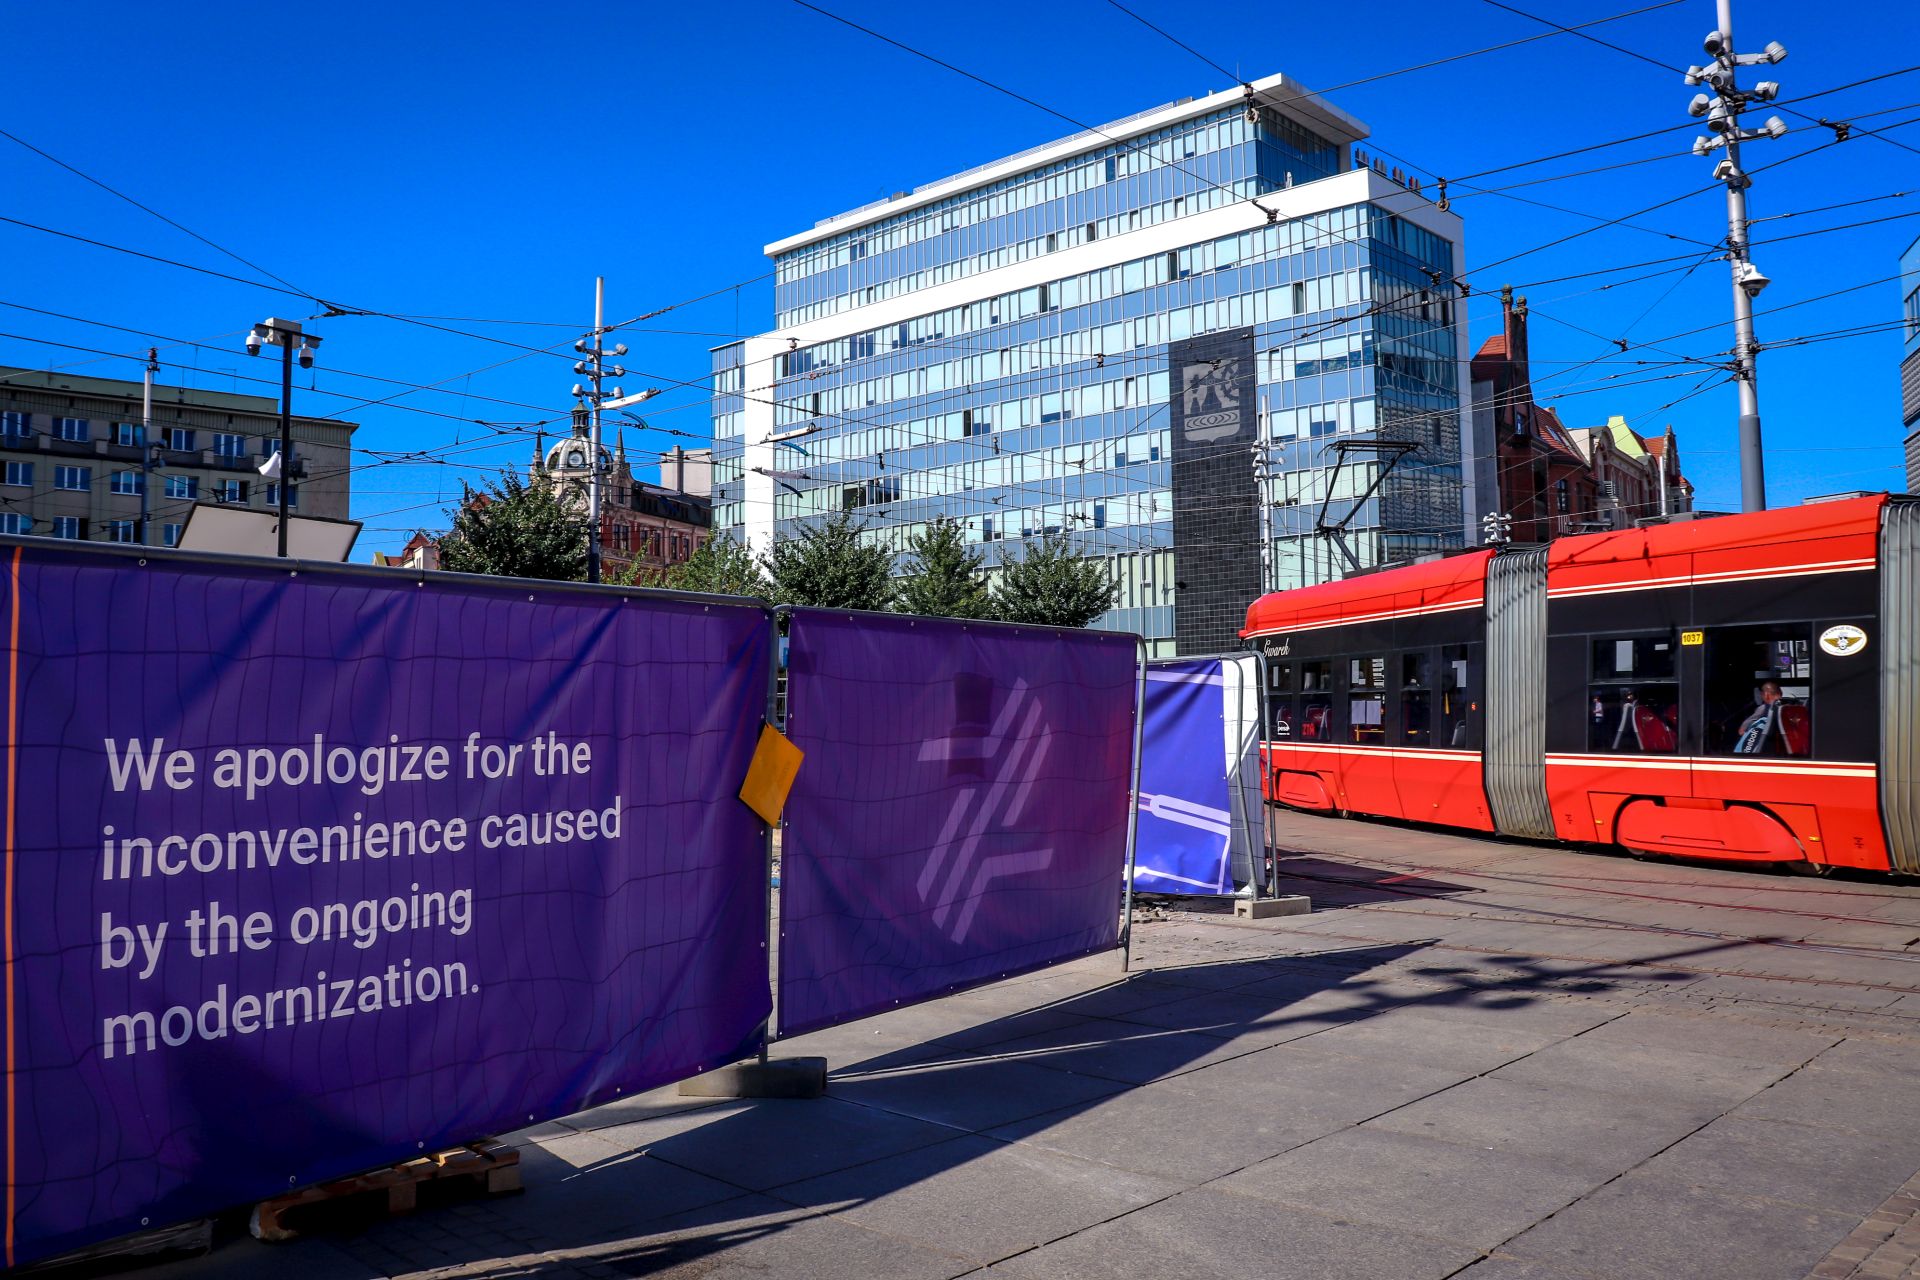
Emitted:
pixel 962 812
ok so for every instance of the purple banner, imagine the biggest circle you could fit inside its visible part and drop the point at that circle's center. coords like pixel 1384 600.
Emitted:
pixel 962 812
pixel 310 872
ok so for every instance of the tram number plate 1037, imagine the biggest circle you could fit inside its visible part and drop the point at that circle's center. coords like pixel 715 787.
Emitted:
pixel 1688 639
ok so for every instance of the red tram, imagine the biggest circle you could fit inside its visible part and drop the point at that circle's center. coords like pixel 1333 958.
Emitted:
pixel 1743 688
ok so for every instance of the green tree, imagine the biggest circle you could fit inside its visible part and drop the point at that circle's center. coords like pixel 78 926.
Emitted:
pixel 944 579
pixel 721 566
pixel 1052 586
pixel 517 529
pixel 830 567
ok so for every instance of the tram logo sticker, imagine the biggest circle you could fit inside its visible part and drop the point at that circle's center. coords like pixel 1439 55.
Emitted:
pixel 1843 640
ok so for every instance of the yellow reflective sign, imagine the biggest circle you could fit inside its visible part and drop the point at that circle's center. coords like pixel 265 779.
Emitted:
pixel 770 776
pixel 1688 639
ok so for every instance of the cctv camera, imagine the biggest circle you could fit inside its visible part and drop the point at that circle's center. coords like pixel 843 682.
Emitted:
pixel 1753 281
pixel 581 345
pixel 1775 51
pixel 619 348
pixel 1714 44
pixel 306 357
pixel 253 344
pixel 1700 105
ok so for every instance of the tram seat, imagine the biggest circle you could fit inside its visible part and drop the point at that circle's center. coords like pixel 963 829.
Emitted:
pixel 1314 728
pixel 1796 729
pixel 1654 732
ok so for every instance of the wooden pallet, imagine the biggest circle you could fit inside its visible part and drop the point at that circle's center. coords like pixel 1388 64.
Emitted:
pixel 485 1168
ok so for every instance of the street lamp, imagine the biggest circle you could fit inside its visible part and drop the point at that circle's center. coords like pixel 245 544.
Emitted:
pixel 292 341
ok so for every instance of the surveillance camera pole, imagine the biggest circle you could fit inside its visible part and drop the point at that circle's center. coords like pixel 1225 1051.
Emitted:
pixel 285 334
pixel 1719 75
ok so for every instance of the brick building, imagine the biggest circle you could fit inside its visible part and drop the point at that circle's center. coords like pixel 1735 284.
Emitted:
pixel 644 528
pixel 1536 473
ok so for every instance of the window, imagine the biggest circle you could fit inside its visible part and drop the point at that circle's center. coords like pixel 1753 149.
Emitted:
pixel 1316 702
pixel 72 429
pixel 133 482
pixel 69 527
pixel 622 538
pixel 14 522
pixel 229 445
pixel 1562 501
pixel 1280 712
pixel 129 433
pixel 170 535
pixel 229 490
pixel 73 478
pixel 183 486
pixel 1366 699
pixel 1913 314
pixel 13 426
pixel 1760 690
pixel 122 531
pixel 1416 700
pixel 1113 165
pixel 20 473
pixel 179 438
pixel 1299 296
pixel 293 496
pixel 1633 700
pixel 1459 701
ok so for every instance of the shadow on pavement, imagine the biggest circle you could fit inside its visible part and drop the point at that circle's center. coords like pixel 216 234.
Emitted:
pixel 668 1191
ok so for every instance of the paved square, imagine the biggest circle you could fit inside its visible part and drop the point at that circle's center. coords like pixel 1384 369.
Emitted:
pixel 1474 1060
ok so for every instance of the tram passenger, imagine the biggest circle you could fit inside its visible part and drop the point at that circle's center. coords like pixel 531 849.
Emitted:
pixel 1776 726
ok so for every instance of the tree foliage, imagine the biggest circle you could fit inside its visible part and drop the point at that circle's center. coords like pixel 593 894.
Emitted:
pixel 829 566
pixel 944 579
pixel 1051 586
pixel 721 566
pixel 517 529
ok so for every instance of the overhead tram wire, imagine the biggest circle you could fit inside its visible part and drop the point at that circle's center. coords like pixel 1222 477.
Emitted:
pixel 1086 128
pixel 147 209
pixel 1679 71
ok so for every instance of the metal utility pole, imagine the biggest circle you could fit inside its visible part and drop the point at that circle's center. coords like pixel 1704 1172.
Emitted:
pixel 1722 110
pixel 149 452
pixel 594 370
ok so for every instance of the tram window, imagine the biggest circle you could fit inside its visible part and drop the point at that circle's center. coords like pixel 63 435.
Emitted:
pixel 1760 690
pixel 1459 701
pixel 1314 703
pixel 1280 712
pixel 1632 697
pixel 1416 701
pixel 1367 699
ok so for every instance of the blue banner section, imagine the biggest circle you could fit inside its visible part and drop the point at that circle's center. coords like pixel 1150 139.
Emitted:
pixel 311 871
pixel 962 812
pixel 1185 839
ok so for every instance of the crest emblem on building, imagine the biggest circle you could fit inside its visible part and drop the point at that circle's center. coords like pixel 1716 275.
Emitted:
pixel 1210 399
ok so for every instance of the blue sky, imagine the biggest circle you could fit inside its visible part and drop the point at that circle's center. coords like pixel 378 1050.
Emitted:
pixel 487 160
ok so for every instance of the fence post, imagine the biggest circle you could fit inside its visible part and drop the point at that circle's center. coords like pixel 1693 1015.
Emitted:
pixel 1133 801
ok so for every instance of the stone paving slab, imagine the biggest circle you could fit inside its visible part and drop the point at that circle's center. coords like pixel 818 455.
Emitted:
pixel 1455 1191
pixel 1205 1233
pixel 977 1198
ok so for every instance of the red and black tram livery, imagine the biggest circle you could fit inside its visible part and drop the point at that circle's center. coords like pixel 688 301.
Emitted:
pixel 1743 688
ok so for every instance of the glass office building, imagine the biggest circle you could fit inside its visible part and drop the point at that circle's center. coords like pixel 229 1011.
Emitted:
pixel 1190 339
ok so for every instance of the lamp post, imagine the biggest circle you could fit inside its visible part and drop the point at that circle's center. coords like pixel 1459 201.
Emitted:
pixel 287 335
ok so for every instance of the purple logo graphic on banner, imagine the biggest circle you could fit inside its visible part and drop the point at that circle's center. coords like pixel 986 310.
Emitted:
pixel 314 871
pixel 962 812
pixel 1184 842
